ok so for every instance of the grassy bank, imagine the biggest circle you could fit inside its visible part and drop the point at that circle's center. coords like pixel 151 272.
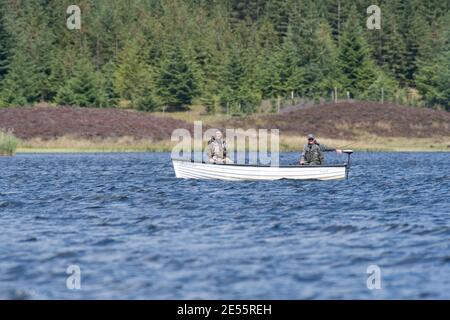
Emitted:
pixel 359 125
pixel 68 144
pixel 376 144
pixel 8 143
pixel 287 143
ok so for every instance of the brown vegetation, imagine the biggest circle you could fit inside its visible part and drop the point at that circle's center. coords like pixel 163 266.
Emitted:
pixel 360 125
pixel 354 119
pixel 86 123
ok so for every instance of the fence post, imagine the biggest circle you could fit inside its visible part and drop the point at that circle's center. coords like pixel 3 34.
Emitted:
pixel 279 104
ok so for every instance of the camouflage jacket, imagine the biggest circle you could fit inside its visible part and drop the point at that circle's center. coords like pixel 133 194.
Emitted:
pixel 217 149
pixel 313 154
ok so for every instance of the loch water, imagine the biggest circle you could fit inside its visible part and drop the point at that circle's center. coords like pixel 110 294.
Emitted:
pixel 134 231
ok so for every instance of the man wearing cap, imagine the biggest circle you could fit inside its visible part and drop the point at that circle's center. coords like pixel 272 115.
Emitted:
pixel 313 152
pixel 217 150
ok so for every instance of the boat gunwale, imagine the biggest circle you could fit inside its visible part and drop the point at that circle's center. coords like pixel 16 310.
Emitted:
pixel 345 165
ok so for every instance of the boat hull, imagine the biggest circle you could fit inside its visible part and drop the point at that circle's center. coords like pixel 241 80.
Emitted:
pixel 206 171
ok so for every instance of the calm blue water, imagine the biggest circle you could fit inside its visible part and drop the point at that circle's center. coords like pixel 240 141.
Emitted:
pixel 137 232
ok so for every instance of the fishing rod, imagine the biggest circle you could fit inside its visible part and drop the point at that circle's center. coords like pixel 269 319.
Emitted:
pixel 347 145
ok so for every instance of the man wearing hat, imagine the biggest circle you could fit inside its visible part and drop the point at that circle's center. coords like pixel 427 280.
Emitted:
pixel 313 152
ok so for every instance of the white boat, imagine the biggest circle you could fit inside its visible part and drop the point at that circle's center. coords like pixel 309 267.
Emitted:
pixel 186 169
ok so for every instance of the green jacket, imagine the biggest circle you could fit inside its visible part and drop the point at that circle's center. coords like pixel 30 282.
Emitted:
pixel 217 150
pixel 313 154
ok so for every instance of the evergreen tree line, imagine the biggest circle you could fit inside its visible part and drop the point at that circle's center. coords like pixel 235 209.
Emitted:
pixel 225 54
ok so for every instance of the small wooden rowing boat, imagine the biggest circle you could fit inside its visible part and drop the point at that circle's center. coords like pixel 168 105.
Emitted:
pixel 186 169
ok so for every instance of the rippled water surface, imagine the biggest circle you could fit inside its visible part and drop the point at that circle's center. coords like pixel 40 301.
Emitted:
pixel 137 232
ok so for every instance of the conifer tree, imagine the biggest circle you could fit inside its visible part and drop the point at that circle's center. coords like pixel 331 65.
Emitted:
pixel 5 46
pixel 34 38
pixel 384 88
pixel 278 14
pixel 357 67
pixel 247 9
pixel 150 53
pixel 394 55
pixel 57 75
pixel 270 83
pixel 233 80
pixel 146 99
pixel 176 82
pixel 417 31
pixel 433 77
pixel 82 88
pixel 133 80
pixel 327 60
pixel 443 77
pixel 128 71
pixel 290 72
pixel 337 13
pixel 109 91
pixel 20 85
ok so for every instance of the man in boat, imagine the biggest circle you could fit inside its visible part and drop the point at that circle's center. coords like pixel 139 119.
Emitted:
pixel 313 152
pixel 217 149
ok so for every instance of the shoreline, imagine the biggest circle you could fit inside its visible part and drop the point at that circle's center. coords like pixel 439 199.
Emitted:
pixel 79 151
pixel 361 126
pixel 287 144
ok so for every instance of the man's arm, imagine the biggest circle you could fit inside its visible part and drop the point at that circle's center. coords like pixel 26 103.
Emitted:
pixel 302 158
pixel 325 148
pixel 209 152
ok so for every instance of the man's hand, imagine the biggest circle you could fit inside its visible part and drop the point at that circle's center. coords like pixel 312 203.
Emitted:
pixel 213 159
pixel 339 151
